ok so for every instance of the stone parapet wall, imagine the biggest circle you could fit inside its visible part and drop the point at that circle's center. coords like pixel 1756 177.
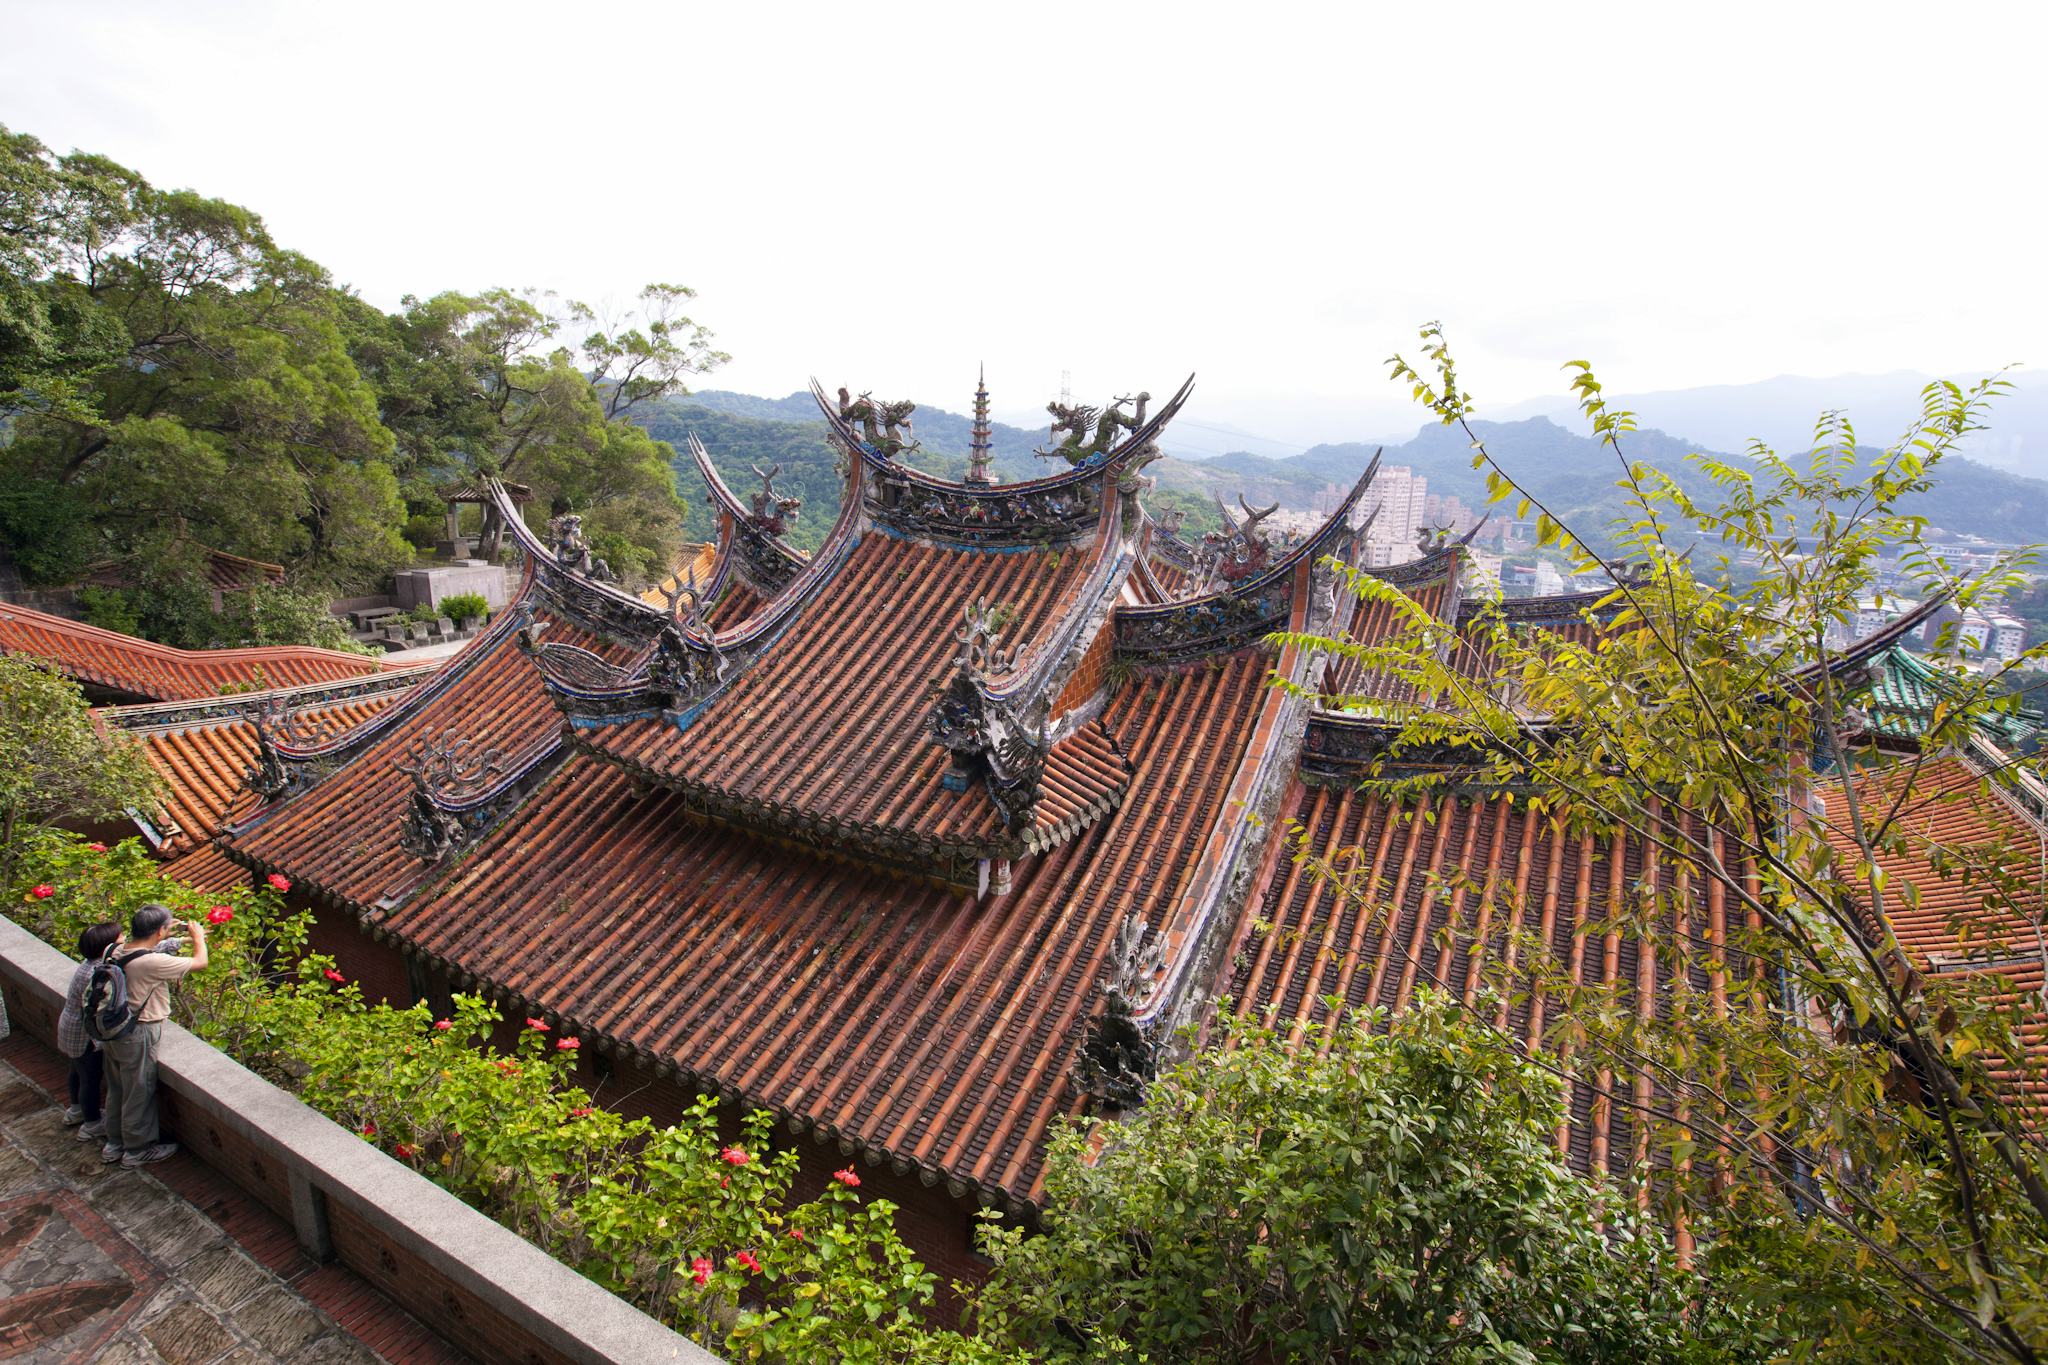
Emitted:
pixel 483 1288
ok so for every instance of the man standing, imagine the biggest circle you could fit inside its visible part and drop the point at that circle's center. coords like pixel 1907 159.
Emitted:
pixel 132 1137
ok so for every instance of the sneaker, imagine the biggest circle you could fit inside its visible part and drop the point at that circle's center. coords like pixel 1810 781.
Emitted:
pixel 149 1154
pixel 93 1132
pixel 111 1153
pixel 73 1116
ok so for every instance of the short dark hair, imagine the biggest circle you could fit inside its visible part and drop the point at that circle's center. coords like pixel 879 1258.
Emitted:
pixel 94 942
pixel 150 917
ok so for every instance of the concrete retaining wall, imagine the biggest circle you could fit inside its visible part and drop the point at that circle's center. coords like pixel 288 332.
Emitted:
pixel 485 1289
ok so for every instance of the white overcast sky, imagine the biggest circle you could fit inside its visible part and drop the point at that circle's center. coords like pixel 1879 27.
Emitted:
pixel 1271 195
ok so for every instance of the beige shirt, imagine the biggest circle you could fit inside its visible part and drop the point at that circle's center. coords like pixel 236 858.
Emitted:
pixel 149 984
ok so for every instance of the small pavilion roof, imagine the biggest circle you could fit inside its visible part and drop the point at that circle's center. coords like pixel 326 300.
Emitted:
pixel 224 572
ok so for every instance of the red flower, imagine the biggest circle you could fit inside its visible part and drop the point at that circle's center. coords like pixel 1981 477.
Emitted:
pixel 42 891
pixel 733 1156
pixel 220 914
pixel 847 1178
pixel 796 1234
pixel 443 1025
pixel 700 1271
pixel 336 977
pixel 404 1152
pixel 369 1130
pixel 581 1111
pixel 507 1065
pixel 568 1044
pixel 97 848
pixel 724 1181
pixel 537 1025
pixel 746 1261
pixel 278 882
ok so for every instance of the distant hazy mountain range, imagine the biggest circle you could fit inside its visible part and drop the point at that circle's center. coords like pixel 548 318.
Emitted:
pixel 1572 473
pixel 1781 412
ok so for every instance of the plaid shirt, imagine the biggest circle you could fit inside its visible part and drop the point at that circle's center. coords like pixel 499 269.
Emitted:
pixel 71 1036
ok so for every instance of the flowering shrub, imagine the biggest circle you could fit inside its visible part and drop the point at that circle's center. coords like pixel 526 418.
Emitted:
pixel 694 1226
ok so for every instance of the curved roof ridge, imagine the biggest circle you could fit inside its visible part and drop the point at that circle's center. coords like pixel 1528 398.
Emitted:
pixel 191 713
pixel 1131 444
pixel 743 540
pixel 1232 616
pixel 169 655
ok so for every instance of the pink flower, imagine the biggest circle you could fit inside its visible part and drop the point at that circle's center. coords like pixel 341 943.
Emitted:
pixel 568 1044
pixel 220 914
pixel 745 1260
pixel 404 1152
pixel 700 1271
pixel 847 1178
pixel 336 977
pixel 733 1156
pixel 443 1025
pixel 538 1025
pixel 581 1111
pixel 369 1130
pixel 278 882
pixel 97 848
pixel 42 891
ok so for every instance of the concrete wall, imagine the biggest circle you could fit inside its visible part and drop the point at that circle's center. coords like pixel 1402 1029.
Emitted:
pixel 485 1289
pixel 430 587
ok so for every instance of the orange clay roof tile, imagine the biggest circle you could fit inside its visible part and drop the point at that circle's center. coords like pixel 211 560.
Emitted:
pixel 154 672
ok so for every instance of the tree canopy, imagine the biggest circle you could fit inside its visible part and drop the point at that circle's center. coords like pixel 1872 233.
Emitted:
pixel 173 378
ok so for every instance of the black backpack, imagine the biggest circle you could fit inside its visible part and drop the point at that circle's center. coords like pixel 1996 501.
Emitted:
pixel 108 1015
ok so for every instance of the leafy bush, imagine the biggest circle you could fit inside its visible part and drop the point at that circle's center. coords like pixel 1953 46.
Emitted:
pixel 465 607
pixel 1357 1195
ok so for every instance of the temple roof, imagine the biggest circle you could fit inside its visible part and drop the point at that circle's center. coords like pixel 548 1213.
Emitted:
pixel 146 671
pixel 904 1019
pixel 778 854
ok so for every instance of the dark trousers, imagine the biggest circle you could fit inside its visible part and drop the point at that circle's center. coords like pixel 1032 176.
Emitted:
pixel 84 1082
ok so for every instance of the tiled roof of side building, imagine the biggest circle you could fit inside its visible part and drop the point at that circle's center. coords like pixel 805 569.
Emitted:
pixel 206 868
pixel 893 1014
pixel 203 750
pixel 1946 808
pixel 1456 884
pixel 147 671
pixel 341 837
pixel 1977 813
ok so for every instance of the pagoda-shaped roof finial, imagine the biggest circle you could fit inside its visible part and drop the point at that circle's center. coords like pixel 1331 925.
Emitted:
pixel 980 450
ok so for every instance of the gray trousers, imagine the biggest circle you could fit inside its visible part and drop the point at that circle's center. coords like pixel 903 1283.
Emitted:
pixel 130 1110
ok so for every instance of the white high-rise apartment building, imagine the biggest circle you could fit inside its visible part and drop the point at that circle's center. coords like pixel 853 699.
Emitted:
pixel 1395 502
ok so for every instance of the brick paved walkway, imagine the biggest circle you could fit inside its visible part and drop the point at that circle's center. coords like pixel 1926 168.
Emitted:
pixel 171 1264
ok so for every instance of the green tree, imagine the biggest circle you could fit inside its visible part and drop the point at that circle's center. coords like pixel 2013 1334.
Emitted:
pixel 1854 1123
pixel 173 375
pixel 54 765
pixel 1378 1190
pixel 478 385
